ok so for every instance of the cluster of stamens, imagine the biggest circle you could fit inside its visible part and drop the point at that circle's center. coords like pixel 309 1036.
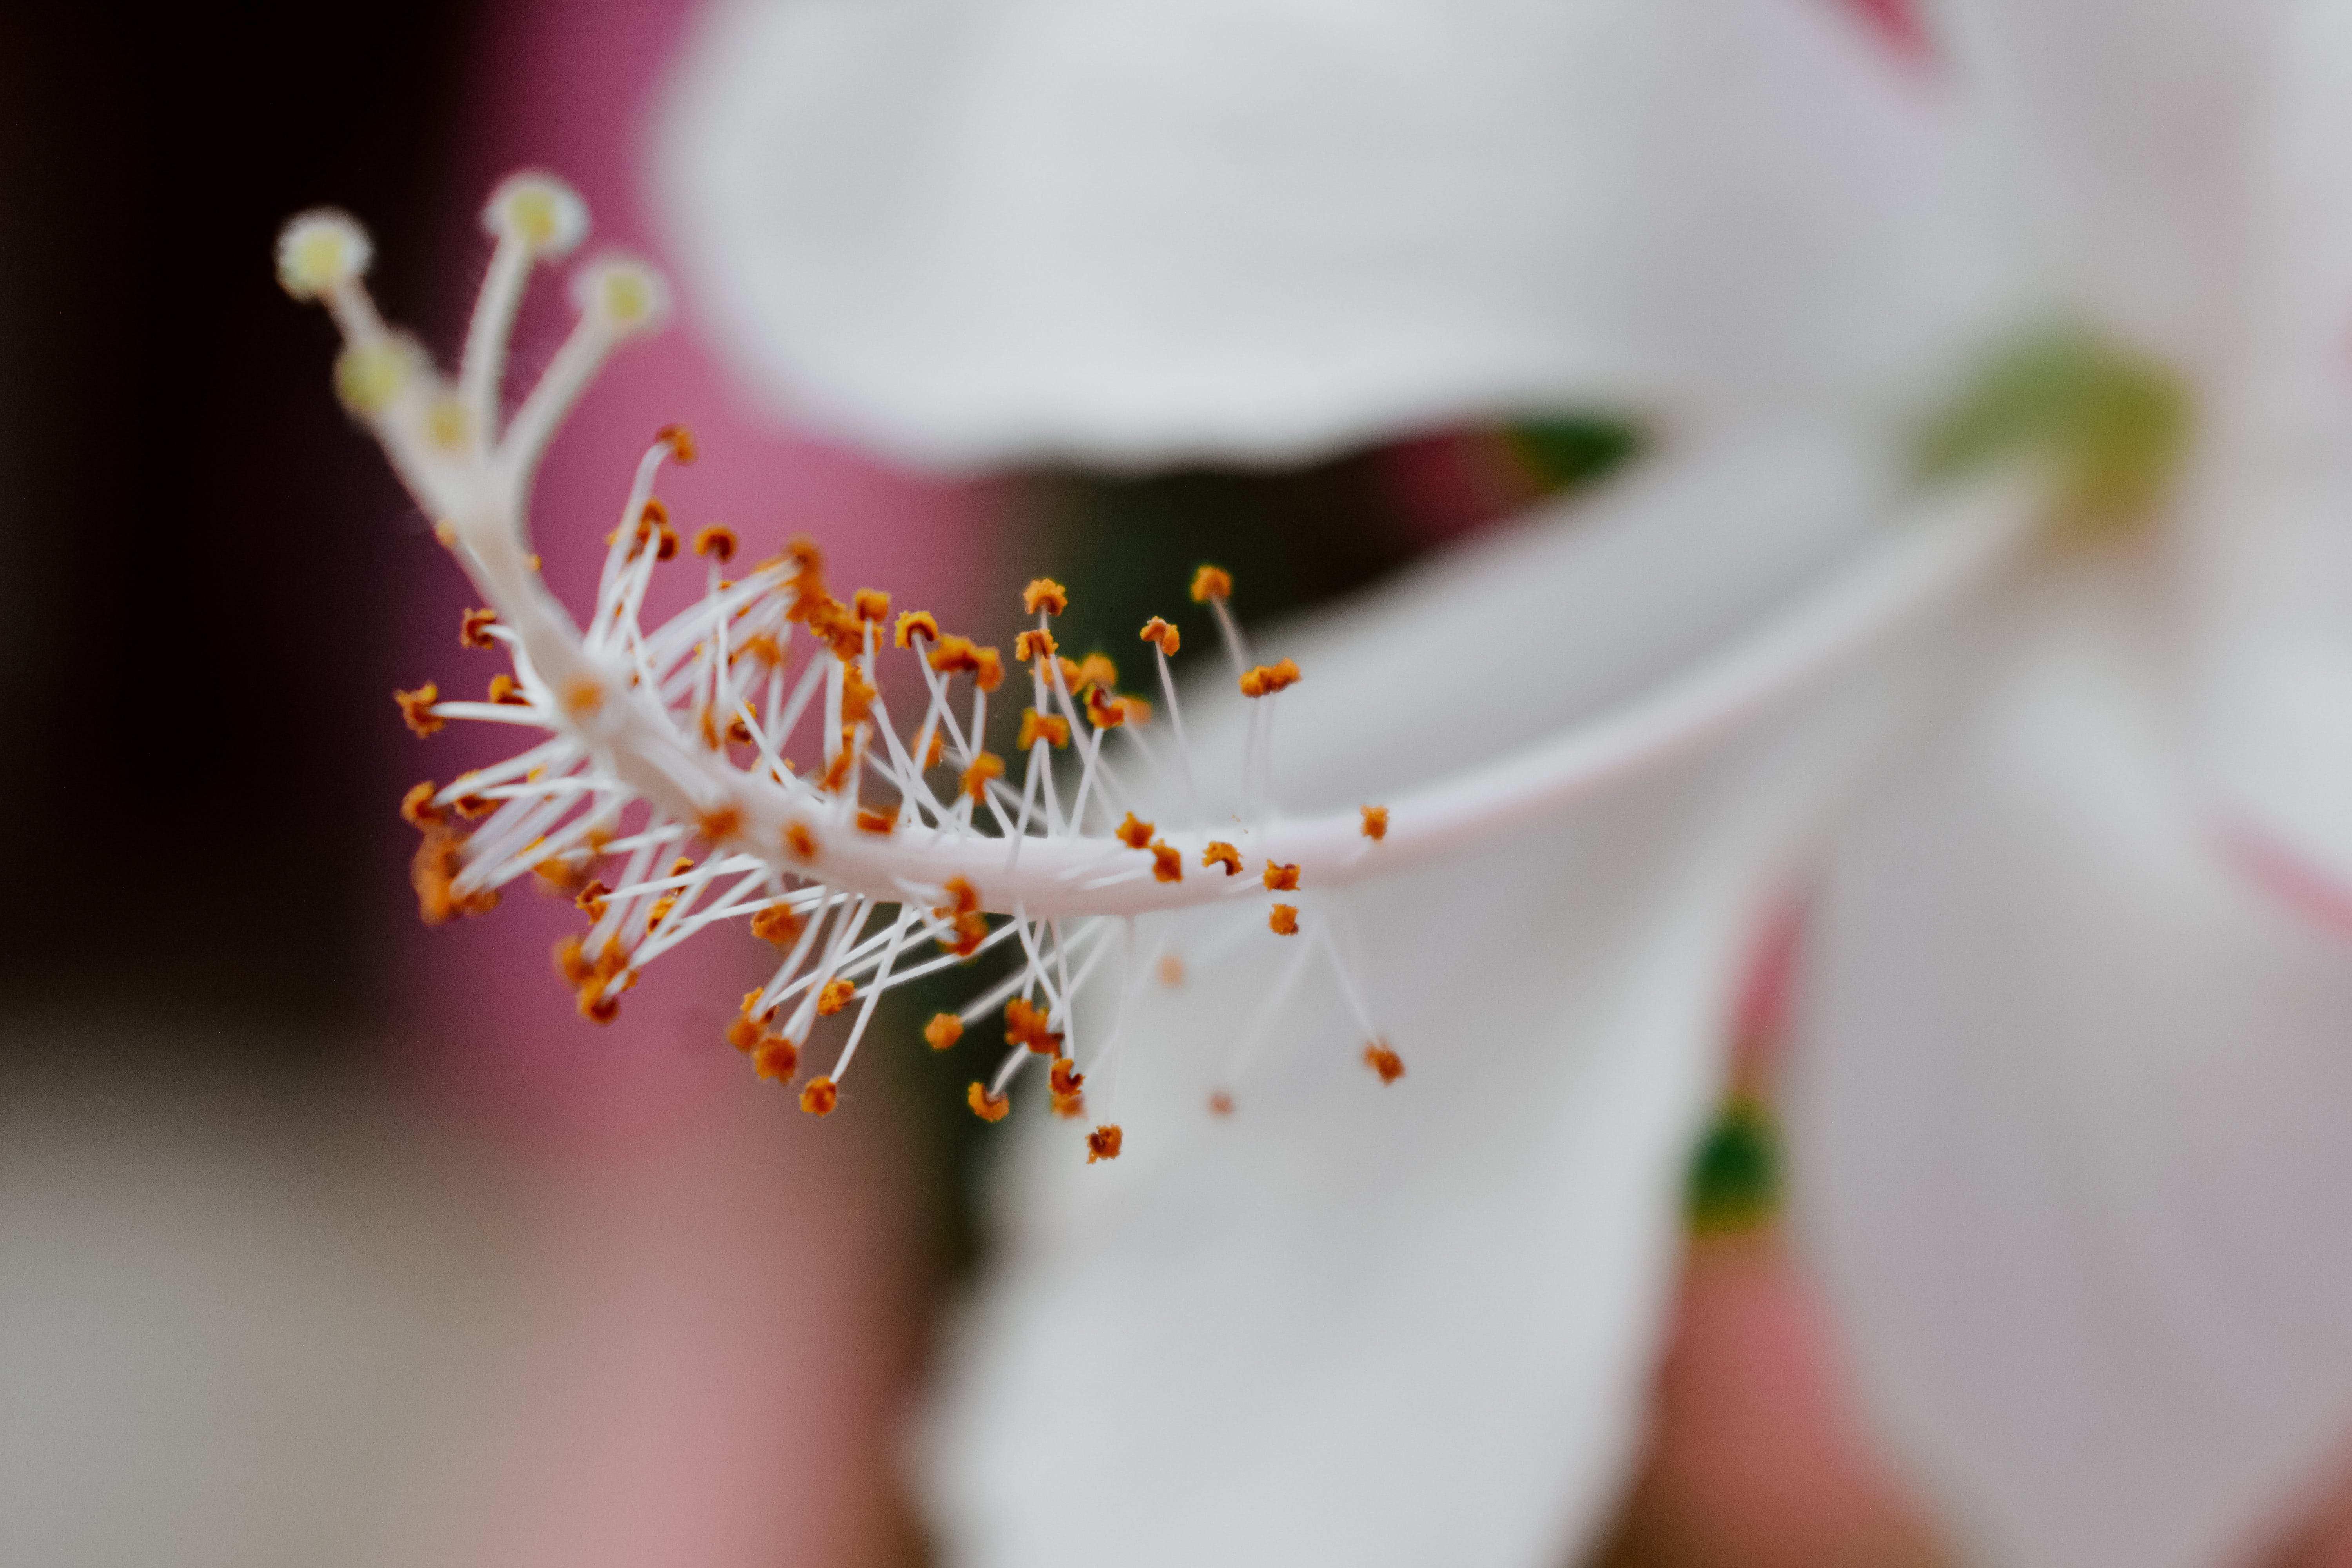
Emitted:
pixel 739 764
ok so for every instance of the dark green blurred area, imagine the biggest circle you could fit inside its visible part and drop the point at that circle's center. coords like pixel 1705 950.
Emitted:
pixel 1735 1174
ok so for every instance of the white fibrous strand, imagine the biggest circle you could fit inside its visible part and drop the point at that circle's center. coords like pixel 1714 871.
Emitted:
pixel 738 765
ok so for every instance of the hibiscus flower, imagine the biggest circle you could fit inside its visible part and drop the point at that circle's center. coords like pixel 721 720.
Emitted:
pixel 2070 996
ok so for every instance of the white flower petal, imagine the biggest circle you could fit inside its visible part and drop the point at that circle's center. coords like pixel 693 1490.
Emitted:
pixel 2071 1124
pixel 2123 130
pixel 1409 1324
pixel 2272 584
pixel 1127 230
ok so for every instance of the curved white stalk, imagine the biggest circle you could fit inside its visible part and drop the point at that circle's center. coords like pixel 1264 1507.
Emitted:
pixel 1953 543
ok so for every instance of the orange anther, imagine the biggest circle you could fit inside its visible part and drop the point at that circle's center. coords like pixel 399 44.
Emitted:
pixel 1269 678
pixel 954 655
pixel 1103 1143
pixel 473 628
pixel 820 1097
pixel 1027 1026
pixel 1171 971
pixel 598 1005
pixel 1162 636
pixel 1138 711
pixel 837 771
pixel 417 807
pixel 870 604
pixel 877 822
pixel 590 900
pixel 1384 1061
pixel 1052 729
pixel 1133 833
pixel 986 1106
pixel 572 964
pixel 915 624
pixel 416 707
pixel 1376 823
pixel 990 675
pixel 583 697
pixel 434 871
pixel 719 825
pixel 1166 866
pixel 944 1031
pixel 507 693
pixel 986 766
pixel 678 439
pixel 1067 1081
pixel 938 748
pixel 1212 583
pixel 1096 669
pixel 717 539
pixel 857 696
pixel 1284 920
pixel 776 1058
pixel 1220 853
pixel 778 924
pixel 1281 878
pixel 1221 1104
pixel 1034 644
pixel 800 841
pixel 1105 710
pixel 760 645
pixel 1045 594
pixel 962 898
pixel 837 995
pixel 972 930
pixel 970 924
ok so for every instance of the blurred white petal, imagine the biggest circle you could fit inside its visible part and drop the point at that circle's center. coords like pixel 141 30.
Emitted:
pixel 2122 130
pixel 2272 580
pixel 1412 1324
pixel 1127 230
pixel 2072 1109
